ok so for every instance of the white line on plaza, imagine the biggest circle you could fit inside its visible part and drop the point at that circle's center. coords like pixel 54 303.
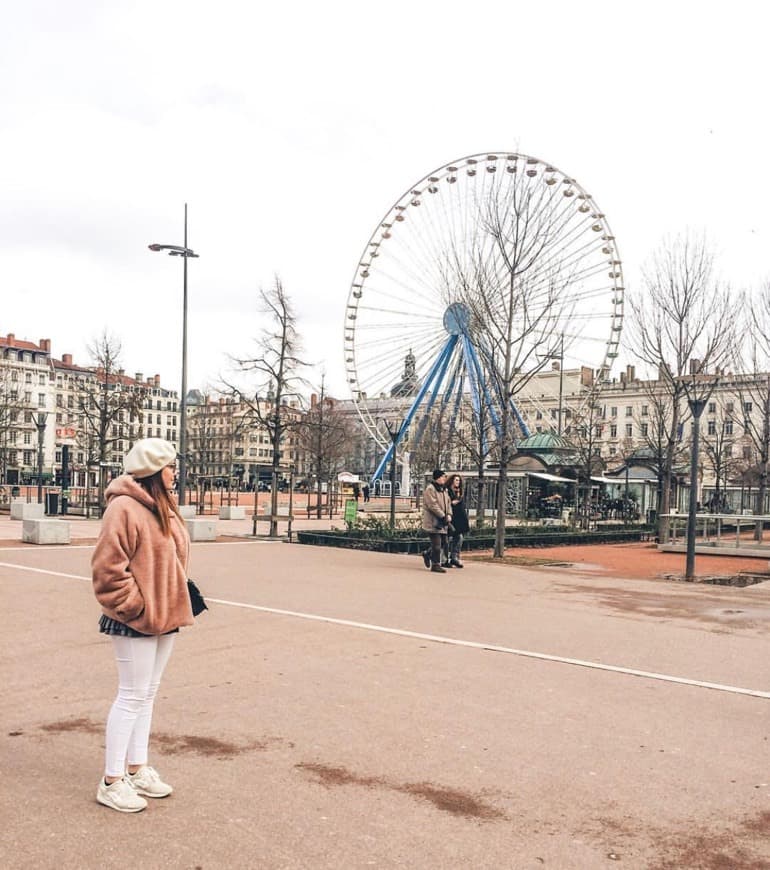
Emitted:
pixel 437 638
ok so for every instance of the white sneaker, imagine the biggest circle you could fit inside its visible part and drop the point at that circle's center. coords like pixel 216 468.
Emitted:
pixel 147 781
pixel 121 796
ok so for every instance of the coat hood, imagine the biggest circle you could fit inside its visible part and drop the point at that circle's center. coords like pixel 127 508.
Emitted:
pixel 126 485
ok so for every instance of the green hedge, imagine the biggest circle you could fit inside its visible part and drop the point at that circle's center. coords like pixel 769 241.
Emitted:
pixel 408 542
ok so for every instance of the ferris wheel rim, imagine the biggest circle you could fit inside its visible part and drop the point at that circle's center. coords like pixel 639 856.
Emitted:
pixel 454 168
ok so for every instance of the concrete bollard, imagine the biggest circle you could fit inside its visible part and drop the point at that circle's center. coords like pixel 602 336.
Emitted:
pixel 22 510
pixel 187 511
pixel 201 530
pixel 45 531
pixel 232 512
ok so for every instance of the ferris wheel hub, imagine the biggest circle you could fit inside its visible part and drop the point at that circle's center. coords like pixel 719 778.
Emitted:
pixel 457 319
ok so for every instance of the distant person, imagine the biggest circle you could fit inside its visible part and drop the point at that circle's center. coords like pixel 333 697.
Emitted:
pixel 459 525
pixel 139 570
pixel 356 493
pixel 436 516
pixel 366 492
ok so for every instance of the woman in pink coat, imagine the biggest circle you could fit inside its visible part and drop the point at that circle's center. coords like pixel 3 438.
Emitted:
pixel 139 570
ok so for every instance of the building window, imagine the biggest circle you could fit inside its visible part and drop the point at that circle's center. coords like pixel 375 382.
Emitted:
pixel 41 380
pixel 613 411
pixel 27 454
pixel 613 451
pixel 41 400
pixel 728 427
pixel 645 429
pixel 629 410
pixel 28 378
pixel 613 431
pixel 712 407
pixel 645 410
pixel 729 407
pixel 629 430
pixel 712 427
pixel 748 407
pixel 27 437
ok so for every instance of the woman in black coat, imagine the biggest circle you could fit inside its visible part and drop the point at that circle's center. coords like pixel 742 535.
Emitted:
pixel 460 525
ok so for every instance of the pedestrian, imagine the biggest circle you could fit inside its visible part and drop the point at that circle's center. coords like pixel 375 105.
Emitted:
pixel 459 525
pixel 436 516
pixel 139 571
pixel 366 492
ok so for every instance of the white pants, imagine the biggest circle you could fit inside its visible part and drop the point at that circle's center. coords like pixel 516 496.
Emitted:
pixel 140 662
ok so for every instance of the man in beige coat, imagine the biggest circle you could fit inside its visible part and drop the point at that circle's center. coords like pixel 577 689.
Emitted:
pixel 436 516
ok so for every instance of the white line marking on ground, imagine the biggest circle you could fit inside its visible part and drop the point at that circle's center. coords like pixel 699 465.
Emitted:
pixel 437 638
pixel 43 571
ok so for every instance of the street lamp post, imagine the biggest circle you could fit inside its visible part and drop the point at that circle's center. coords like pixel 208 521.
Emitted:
pixel 185 253
pixel 561 381
pixel 39 422
pixel 395 434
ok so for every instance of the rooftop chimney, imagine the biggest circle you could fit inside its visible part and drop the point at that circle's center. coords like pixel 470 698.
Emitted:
pixel 139 377
pixel 66 358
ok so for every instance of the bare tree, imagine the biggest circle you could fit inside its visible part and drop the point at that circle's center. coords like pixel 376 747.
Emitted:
pixel 476 435
pixel 10 409
pixel 275 368
pixel 519 301
pixel 754 390
pixel 584 433
pixel 683 327
pixel 324 434
pixel 718 443
pixel 105 398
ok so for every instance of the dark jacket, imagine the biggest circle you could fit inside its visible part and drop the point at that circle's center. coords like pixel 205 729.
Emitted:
pixel 460 517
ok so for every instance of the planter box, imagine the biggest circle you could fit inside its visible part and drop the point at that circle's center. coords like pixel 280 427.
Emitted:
pixel 232 512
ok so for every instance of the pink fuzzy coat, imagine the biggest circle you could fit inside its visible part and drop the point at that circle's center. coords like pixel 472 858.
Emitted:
pixel 139 575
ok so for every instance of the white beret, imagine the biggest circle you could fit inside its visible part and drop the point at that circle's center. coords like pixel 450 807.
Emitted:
pixel 148 456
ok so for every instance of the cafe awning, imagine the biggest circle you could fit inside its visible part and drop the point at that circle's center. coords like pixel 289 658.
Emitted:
pixel 550 477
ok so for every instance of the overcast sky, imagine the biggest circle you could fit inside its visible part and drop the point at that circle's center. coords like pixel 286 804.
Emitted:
pixel 291 128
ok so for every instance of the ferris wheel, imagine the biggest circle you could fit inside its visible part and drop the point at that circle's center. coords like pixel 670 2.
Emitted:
pixel 493 246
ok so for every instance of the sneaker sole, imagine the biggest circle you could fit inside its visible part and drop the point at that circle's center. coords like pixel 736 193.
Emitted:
pixel 148 794
pixel 106 803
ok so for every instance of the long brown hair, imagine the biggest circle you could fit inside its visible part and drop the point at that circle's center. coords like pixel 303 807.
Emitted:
pixel 165 504
pixel 451 480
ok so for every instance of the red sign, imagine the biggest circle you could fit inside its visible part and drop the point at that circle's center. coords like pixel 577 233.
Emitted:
pixel 65 432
